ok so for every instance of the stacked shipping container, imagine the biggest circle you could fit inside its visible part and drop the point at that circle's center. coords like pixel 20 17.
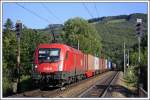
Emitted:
pixel 96 65
pixel 90 65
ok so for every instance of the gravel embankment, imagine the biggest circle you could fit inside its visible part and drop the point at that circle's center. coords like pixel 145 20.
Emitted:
pixel 121 90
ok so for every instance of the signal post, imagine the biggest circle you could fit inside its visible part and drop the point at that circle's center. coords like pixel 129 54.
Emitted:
pixel 139 34
pixel 18 35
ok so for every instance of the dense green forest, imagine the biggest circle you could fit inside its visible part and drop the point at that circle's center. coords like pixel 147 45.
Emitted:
pixel 102 37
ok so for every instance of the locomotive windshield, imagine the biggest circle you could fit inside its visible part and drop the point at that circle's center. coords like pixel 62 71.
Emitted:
pixel 48 55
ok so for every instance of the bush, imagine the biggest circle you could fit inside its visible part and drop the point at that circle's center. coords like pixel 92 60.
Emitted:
pixel 26 83
pixel 7 89
pixel 131 76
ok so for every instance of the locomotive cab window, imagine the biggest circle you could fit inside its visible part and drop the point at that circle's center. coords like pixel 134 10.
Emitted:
pixel 48 55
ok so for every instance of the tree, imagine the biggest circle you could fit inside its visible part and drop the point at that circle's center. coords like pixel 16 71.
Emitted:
pixel 9 55
pixel 78 29
pixel 8 25
pixel 30 39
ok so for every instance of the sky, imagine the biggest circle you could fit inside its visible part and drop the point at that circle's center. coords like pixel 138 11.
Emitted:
pixel 58 13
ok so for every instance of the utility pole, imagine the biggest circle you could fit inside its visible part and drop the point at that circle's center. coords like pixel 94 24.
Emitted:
pixel 139 33
pixel 124 59
pixel 139 47
pixel 128 58
pixel 18 35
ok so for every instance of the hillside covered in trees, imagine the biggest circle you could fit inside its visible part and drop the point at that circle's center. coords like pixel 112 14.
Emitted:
pixel 102 37
pixel 113 32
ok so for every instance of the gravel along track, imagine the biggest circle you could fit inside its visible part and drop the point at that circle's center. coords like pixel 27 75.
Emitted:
pixel 100 88
pixel 70 91
pixel 75 91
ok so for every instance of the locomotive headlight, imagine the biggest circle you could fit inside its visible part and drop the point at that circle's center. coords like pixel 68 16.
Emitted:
pixel 35 66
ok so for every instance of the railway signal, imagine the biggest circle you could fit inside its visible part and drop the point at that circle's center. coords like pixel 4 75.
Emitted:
pixel 18 34
pixel 139 34
pixel 18 28
pixel 139 28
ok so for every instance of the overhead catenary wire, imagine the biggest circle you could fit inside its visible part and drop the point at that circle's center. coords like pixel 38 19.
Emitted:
pixel 40 17
pixel 96 10
pixel 35 14
pixel 86 8
pixel 50 12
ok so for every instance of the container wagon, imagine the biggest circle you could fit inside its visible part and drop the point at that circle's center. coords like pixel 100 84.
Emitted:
pixel 90 66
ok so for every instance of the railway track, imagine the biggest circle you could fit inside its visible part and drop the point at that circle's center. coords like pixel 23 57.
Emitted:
pixel 100 88
pixel 107 91
pixel 72 90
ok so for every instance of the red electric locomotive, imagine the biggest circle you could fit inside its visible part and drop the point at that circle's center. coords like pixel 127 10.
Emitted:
pixel 58 64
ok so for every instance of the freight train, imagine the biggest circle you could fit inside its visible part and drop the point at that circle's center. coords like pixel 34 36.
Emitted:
pixel 58 64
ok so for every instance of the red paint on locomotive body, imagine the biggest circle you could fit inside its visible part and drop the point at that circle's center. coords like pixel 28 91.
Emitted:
pixel 63 63
pixel 55 65
pixel 69 59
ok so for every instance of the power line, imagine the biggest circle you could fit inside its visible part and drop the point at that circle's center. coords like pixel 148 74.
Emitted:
pixel 52 26
pixel 50 12
pixel 86 8
pixel 96 10
pixel 42 18
pixel 35 14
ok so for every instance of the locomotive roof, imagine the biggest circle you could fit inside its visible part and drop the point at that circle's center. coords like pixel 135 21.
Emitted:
pixel 59 45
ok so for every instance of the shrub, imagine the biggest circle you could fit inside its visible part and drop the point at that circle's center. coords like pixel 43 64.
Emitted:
pixel 131 76
pixel 7 89
pixel 26 83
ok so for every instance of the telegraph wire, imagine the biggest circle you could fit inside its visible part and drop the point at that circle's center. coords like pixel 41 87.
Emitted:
pixel 50 12
pixel 86 8
pixel 35 14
